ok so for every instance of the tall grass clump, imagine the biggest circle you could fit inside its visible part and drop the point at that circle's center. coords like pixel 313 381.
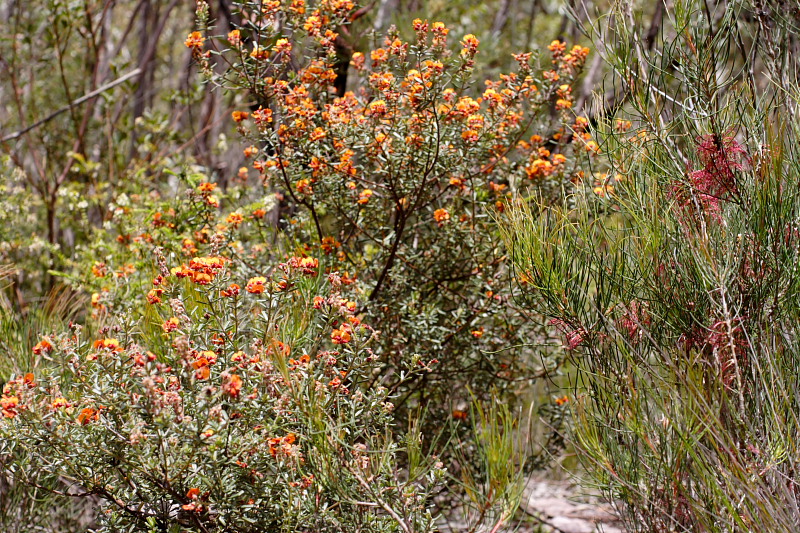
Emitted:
pixel 672 273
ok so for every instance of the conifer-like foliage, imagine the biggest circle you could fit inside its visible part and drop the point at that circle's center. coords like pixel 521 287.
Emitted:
pixel 674 279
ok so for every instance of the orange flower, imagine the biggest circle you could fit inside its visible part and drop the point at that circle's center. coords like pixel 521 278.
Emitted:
pixel 283 46
pixel 153 296
pixel 206 187
pixel 439 27
pixel 378 56
pixel 99 270
pixel 458 414
pixel 9 405
pixel 307 265
pixel 107 344
pixel 193 493
pixel 87 415
pixel 234 219
pixel 171 324
pixel 303 186
pixel 195 40
pixel 470 136
pixel 201 270
pixel 357 60
pixel 557 47
pixel 43 346
pixel 329 244
pixel 259 53
pixel 364 196
pixel 282 445
pixel 235 38
pixel 619 125
pixel 262 116
pixel 377 108
pixel 58 403
pixel 239 116
pixel 232 386
pixel 317 134
pixel 256 285
pixel 232 290
pixel 209 356
pixel 441 216
pixel 475 121
pixel 539 168
pixel 342 335
pixel 202 371
pixel 202 363
pixel 470 44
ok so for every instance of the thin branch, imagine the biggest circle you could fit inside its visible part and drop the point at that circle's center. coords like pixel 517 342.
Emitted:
pixel 77 102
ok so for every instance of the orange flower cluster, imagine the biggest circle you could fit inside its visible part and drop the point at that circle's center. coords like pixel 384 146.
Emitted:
pixel 202 363
pixel 284 446
pixel 192 495
pixel 201 270
pixel 195 41
pixel 329 244
pixel 232 291
pixel 171 324
pixel 342 335
pixel 256 285
pixel 232 385
pixel 306 265
pixel 10 402
pixel 111 345
pixel 235 219
pixel 470 46
pixel 60 403
pixel 42 347
pixel 205 190
pixel 88 414
pixel 9 406
pixel 99 270
pixel 154 295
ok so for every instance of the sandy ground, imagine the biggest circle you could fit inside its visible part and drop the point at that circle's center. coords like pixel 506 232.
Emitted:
pixel 556 507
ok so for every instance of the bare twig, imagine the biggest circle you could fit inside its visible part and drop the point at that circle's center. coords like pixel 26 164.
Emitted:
pixel 74 103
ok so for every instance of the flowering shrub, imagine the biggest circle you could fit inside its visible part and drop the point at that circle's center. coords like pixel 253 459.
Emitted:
pixel 396 176
pixel 235 404
pixel 212 390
